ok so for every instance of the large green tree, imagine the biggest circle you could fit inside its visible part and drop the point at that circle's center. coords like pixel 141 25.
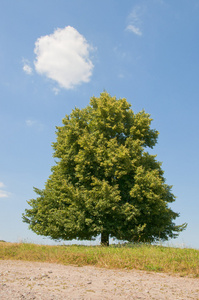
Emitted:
pixel 104 181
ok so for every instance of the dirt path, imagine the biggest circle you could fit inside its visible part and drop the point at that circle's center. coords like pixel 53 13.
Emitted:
pixel 32 280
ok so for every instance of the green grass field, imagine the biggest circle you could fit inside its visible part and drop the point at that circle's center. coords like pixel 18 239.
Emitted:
pixel 183 262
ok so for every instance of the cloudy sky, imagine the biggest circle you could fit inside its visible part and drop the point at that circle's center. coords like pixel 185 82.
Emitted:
pixel 55 55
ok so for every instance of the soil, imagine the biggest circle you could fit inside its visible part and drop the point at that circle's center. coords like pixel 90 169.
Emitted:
pixel 35 280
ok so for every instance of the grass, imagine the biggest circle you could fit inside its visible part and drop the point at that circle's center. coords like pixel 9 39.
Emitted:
pixel 183 262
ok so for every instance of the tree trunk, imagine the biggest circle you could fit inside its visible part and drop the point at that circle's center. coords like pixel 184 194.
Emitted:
pixel 104 239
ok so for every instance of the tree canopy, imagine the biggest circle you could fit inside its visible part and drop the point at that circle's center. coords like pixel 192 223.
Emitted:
pixel 104 180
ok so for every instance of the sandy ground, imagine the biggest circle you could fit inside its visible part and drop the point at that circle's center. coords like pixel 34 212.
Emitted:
pixel 33 280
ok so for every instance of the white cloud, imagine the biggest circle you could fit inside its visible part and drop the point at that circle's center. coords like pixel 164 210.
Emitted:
pixel 26 67
pixel 3 194
pixel 30 123
pixel 64 57
pixel 56 90
pixel 134 29
pixel 135 20
pixel 34 123
pixel 2 185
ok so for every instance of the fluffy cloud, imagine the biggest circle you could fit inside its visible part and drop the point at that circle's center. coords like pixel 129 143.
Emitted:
pixel 26 67
pixel 56 90
pixel 2 185
pixel 134 29
pixel 3 194
pixel 134 20
pixel 64 57
pixel 30 123
pixel 34 123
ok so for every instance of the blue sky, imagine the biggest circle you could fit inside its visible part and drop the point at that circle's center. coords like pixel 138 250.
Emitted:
pixel 55 55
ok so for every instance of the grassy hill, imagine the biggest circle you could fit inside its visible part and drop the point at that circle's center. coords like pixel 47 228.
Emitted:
pixel 183 262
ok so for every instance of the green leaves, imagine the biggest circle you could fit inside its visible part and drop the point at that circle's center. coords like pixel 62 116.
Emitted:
pixel 104 180
pixel 141 129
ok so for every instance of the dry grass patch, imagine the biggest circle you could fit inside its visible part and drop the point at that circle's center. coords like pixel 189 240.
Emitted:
pixel 184 262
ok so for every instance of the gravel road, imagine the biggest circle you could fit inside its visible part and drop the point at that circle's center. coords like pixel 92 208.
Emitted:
pixel 34 280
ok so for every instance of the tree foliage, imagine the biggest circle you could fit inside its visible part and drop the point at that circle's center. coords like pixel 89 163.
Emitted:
pixel 104 181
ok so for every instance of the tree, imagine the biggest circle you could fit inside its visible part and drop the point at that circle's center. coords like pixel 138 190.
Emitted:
pixel 104 181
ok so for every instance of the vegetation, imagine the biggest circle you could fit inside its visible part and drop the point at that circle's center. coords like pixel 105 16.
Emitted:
pixel 184 262
pixel 105 182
